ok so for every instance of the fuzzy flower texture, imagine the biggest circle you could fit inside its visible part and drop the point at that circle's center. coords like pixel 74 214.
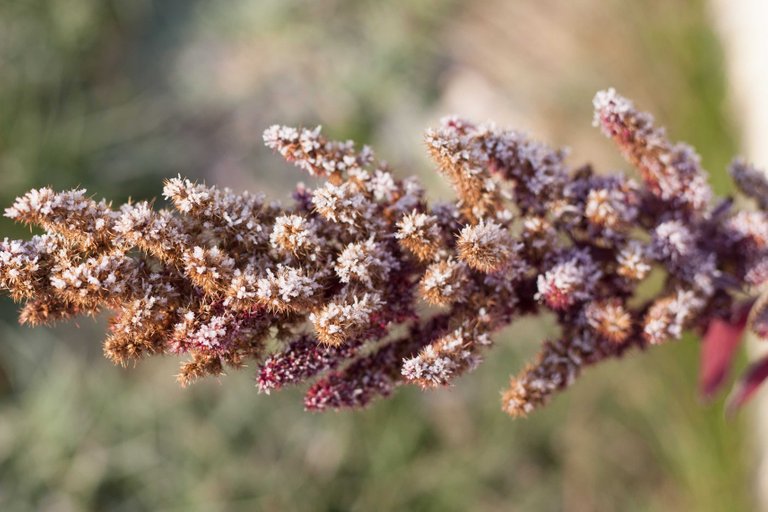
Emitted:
pixel 360 286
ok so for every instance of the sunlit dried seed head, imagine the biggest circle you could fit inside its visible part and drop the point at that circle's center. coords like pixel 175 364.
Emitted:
pixel 751 181
pixel 287 289
pixel 668 316
pixel 568 282
pixel 444 282
pixel 227 278
pixel 420 234
pixel 336 322
pixel 538 234
pixel 365 262
pixel 441 361
pixel 557 366
pixel 293 234
pixel 750 228
pixel 673 241
pixel 633 262
pixel 486 246
pixel 609 320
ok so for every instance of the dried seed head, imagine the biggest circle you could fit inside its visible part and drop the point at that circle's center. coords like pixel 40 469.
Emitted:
pixel 19 264
pixel 610 209
pixel 337 322
pixel 287 289
pixel 310 151
pixel 750 228
pixel 365 262
pixel 557 366
pixel 444 282
pixel 609 320
pixel 159 233
pixel 633 261
pixel 210 269
pixel 420 234
pixel 439 362
pixel 568 282
pixel 671 172
pixel 302 359
pixel 538 235
pixel 226 277
pixel 343 204
pixel 200 366
pixel 80 219
pixel 293 234
pixel 751 181
pixel 669 316
pixel 485 247
pixel 673 241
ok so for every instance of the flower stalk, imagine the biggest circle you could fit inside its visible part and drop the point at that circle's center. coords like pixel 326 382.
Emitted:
pixel 360 285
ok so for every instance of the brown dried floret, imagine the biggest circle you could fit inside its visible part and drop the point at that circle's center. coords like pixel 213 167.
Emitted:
pixel 420 234
pixel 226 277
pixel 444 282
pixel 609 319
pixel 336 322
pixel 486 246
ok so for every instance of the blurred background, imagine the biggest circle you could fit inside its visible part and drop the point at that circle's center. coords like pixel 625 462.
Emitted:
pixel 115 95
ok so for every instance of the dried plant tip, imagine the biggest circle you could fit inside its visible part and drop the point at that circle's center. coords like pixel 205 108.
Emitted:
pixel 633 262
pixel 673 241
pixel 293 234
pixel 610 209
pixel 303 359
pixel 609 320
pixel 80 219
pixel 751 181
pixel 668 317
pixel 142 327
pixel 47 310
pixel 19 262
pixel 486 246
pixel 444 282
pixel 439 362
pixel 95 280
pixel 210 269
pixel 200 366
pixel 188 197
pixel 750 228
pixel 343 204
pixel 557 366
pixel 310 151
pixel 366 262
pixel 339 321
pixel 568 282
pixel 420 234
pixel 369 377
pixel 159 233
pixel 672 172
pixel 287 289
pixel 538 235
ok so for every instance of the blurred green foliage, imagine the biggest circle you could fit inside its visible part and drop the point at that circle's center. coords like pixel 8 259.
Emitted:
pixel 114 95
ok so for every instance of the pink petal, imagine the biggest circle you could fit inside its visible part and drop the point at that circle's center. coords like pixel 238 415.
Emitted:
pixel 748 385
pixel 717 350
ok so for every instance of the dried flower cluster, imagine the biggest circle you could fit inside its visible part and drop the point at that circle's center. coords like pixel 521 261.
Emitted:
pixel 360 285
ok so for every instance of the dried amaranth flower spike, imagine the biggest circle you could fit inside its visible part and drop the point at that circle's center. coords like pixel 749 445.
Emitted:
pixel 360 285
